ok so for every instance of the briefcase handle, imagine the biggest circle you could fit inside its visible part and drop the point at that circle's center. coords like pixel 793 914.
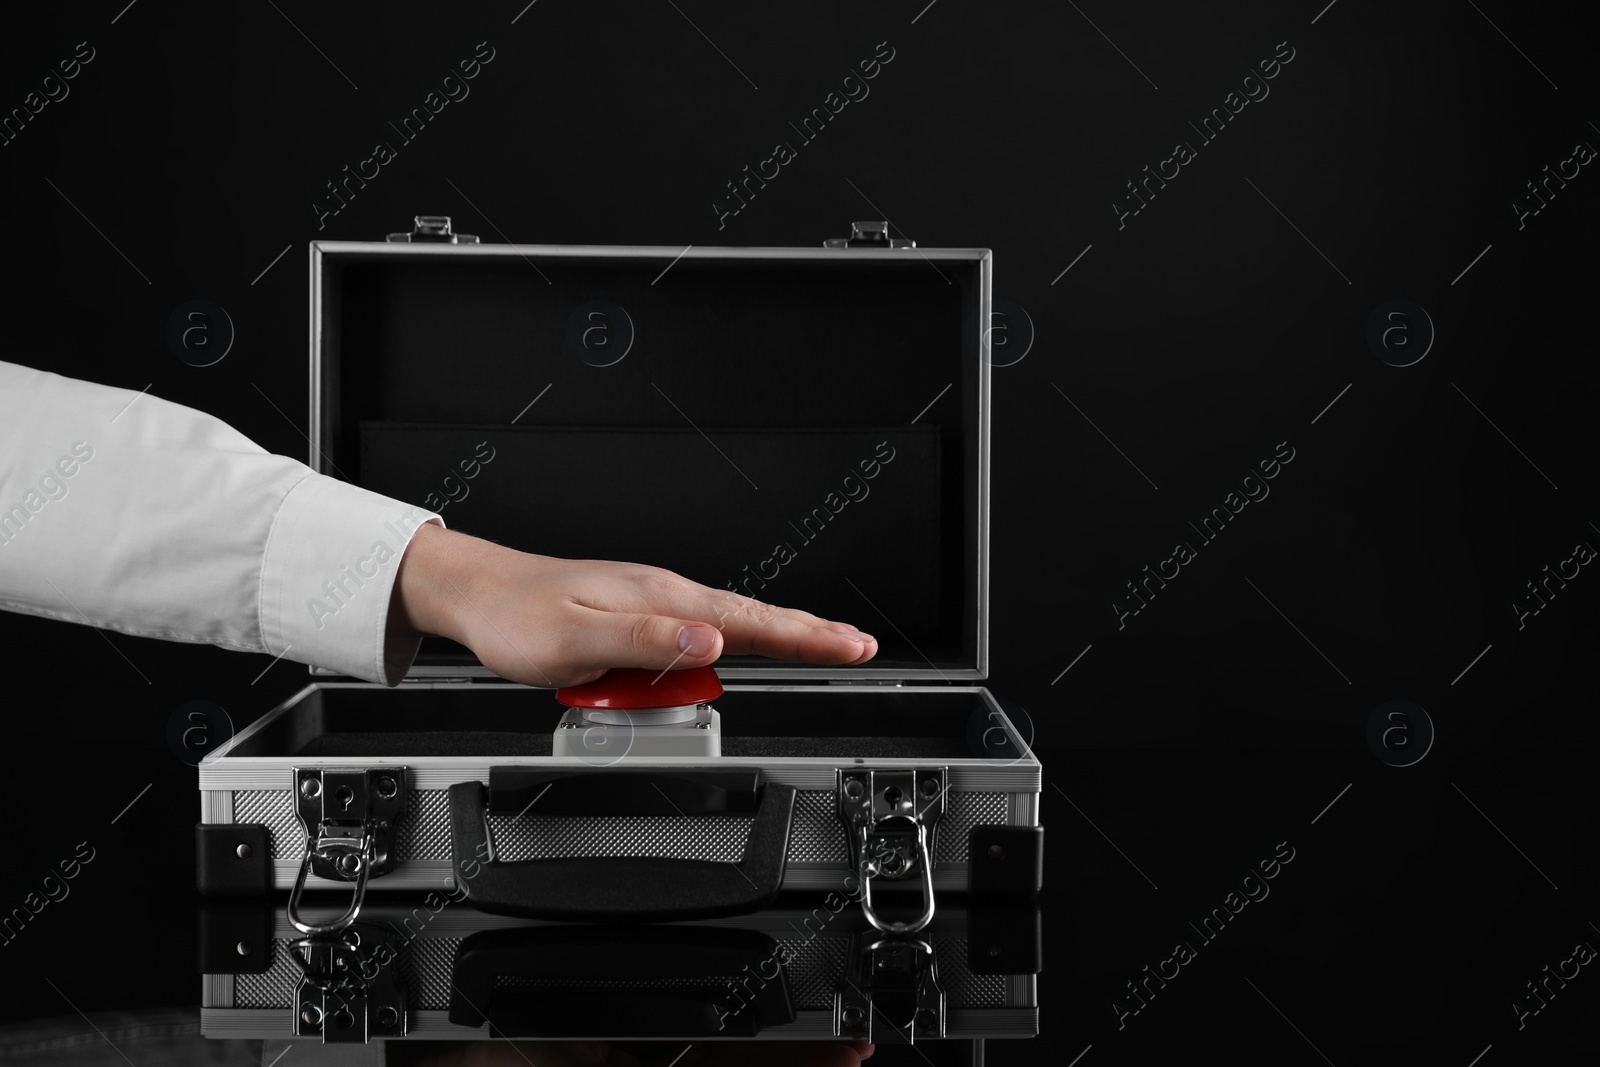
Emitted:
pixel 622 889
pixel 670 981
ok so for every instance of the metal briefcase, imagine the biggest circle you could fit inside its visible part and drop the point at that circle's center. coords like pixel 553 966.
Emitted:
pixel 430 969
pixel 806 426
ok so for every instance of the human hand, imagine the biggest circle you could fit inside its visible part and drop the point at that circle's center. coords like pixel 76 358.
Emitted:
pixel 554 622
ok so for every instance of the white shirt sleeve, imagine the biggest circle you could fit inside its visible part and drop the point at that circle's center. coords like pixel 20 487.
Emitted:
pixel 131 513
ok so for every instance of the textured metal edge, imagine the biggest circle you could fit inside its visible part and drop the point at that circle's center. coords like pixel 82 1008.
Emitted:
pixel 970 1023
pixel 274 1023
pixel 314 371
pixel 777 672
pixel 216 805
pixel 244 1023
pixel 1024 809
pixel 440 772
pixel 215 768
pixel 402 248
pixel 216 991
pixel 314 347
pixel 985 318
pixel 987 696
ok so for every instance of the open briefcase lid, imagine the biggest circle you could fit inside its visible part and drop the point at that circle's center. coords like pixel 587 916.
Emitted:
pixel 805 426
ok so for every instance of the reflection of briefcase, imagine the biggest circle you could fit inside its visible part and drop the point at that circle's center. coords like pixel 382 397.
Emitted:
pixel 802 426
pixel 429 968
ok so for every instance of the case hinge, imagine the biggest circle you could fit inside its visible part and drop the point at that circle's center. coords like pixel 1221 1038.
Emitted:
pixel 349 817
pixel 869 235
pixel 896 980
pixel 433 229
pixel 891 817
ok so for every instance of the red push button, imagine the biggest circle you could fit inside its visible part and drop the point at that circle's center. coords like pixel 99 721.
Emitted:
pixel 633 688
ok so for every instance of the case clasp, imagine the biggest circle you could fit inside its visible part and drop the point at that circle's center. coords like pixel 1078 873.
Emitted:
pixel 349 818
pixel 896 979
pixel 891 817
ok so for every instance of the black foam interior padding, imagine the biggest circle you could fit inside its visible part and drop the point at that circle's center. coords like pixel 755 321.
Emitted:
pixel 813 353
pixel 845 748
pixel 833 502
pixel 448 720
pixel 406 743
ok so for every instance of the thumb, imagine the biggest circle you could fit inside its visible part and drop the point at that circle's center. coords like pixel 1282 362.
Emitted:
pixel 620 639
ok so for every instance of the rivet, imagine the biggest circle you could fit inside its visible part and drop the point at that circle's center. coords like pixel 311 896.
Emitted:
pixel 243 851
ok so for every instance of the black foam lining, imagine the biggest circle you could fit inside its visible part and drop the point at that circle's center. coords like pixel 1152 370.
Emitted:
pixel 403 744
pixel 845 748
pixel 408 743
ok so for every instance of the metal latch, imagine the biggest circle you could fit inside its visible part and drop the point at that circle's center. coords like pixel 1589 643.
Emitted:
pixel 891 817
pixel 896 980
pixel 347 990
pixel 349 818
pixel 867 235
pixel 433 229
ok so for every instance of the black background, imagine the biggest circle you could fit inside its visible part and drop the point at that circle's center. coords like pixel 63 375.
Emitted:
pixel 1178 750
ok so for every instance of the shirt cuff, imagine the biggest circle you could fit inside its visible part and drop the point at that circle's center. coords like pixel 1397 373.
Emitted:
pixel 327 578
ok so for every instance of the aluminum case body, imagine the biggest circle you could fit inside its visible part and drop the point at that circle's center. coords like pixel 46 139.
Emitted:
pixel 986 971
pixel 251 780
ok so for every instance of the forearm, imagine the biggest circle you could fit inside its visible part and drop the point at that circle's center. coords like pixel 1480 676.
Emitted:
pixel 173 525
